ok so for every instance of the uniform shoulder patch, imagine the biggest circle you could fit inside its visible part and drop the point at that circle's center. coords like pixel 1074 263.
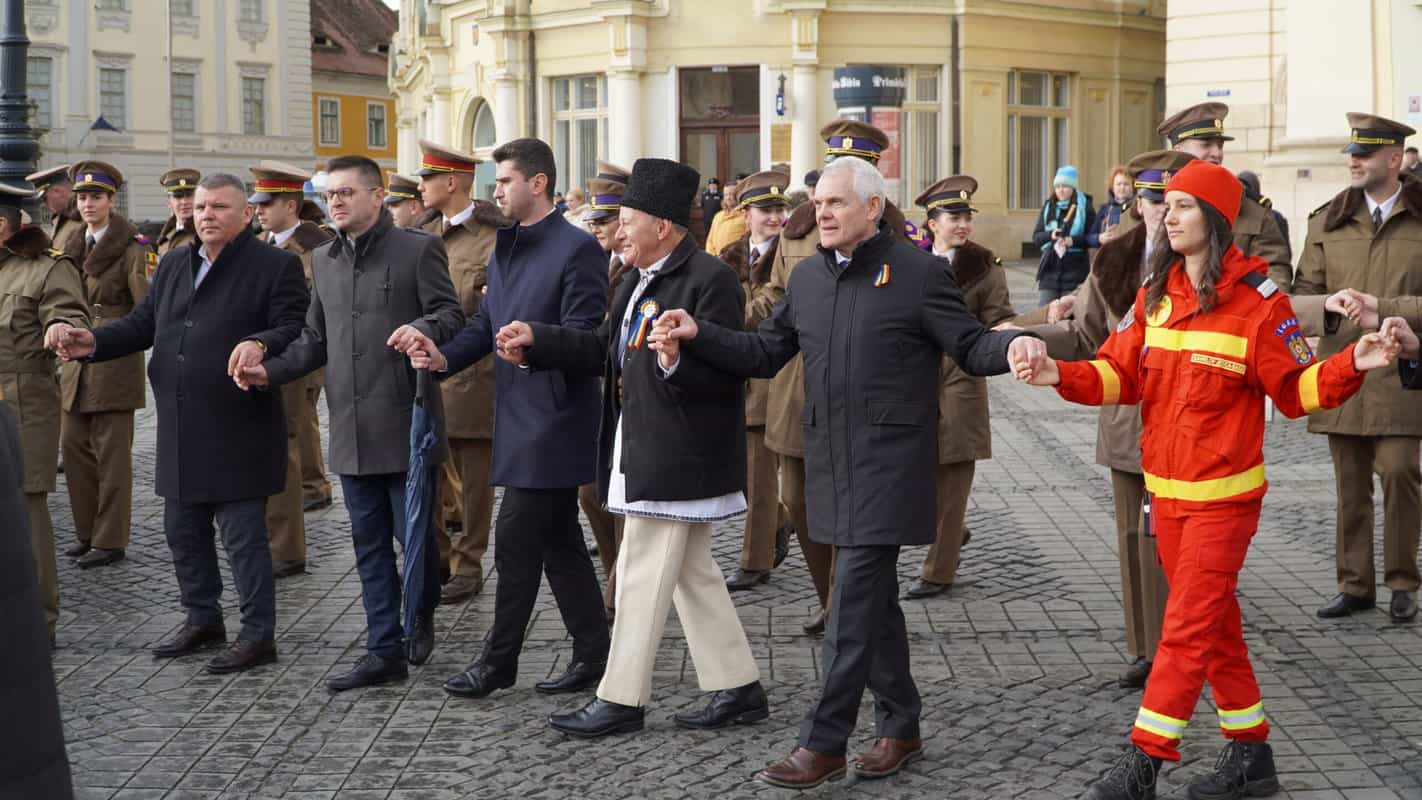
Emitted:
pixel 141 239
pixel 1127 321
pixel 53 253
pixel 1260 283
pixel 1319 210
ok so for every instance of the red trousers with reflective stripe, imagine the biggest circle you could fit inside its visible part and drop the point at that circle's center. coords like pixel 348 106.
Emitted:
pixel 1203 635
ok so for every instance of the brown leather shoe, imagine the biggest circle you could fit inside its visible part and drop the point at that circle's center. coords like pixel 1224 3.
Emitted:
pixel 887 756
pixel 803 769
pixel 815 626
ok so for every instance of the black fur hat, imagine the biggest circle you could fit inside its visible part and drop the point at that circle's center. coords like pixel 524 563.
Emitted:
pixel 665 189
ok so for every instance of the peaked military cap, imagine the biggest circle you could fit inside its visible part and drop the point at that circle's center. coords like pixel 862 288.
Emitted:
pixel 401 188
pixel 46 178
pixel 952 194
pixel 275 178
pixel 1202 121
pixel 605 192
pixel 1371 132
pixel 764 189
pixel 12 196
pixel 91 175
pixel 180 180
pixel 436 159
pixel 1150 171
pixel 850 137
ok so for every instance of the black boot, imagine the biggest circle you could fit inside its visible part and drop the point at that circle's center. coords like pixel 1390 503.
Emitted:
pixel 1133 778
pixel 739 706
pixel 1135 677
pixel 1244 769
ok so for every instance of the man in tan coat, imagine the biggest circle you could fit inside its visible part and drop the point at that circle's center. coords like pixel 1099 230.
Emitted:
pixel 1368 239
pixel 964 435
pixel 468 228
pixel 180 184
pixel 54 187
pixel 42 288
pixel 116 262
pixel 278 197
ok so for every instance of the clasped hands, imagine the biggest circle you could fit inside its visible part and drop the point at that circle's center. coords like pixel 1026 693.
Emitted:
pixel 1357 306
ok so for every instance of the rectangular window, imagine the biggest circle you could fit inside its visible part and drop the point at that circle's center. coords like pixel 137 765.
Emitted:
pixel 1038 134
pixel 250 11
pixel 375 126
pixel 184 102
pixel 579 128
pixel 920 133
pixel 181 8
pixel 112 5
pixel 330 113
pixel 254 104
pixel 40 80
pixel 113 96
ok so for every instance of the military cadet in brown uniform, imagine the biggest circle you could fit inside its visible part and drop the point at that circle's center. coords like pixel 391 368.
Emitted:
pixel 964 435
pixel 315 487
pixel 761 200
pixel 116 262
pixel 180 184
pixel 40 287
pixel 278 195
pixel 786 400
pixel 467 227
pixel 1199 131
pixel 1368 239
pixel 404 201
pixel 54 187
pixel 1104 299
pixel 603 205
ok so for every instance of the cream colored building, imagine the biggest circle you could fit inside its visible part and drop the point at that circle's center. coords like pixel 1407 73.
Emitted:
pixel 1006 90
pixel 1290 70
pixel 241 86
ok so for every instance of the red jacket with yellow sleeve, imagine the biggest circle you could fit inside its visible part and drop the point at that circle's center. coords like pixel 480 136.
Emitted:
pixel 1201 377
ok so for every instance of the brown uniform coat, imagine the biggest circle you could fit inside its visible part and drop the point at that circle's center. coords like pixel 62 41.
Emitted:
pixel 1343 252
pixel 753 277
pixel 469 395
pixel 964 433
pixel 170 238
pixel 115 280
pixel 1256 233
pixel 306 238
pixel 38 288
pixel 67 225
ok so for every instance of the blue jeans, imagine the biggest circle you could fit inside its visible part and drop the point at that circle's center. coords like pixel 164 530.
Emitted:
pixel 243 523
pixel 376 504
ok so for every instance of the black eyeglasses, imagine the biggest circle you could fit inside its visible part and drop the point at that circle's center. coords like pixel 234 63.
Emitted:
pixel 345 193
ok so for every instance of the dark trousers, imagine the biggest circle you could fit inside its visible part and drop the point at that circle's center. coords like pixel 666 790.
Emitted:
pixel 189 528
pixel 376 504
pixel 537 533
pixel 866 644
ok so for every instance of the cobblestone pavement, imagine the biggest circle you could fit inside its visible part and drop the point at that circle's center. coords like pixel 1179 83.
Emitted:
pixel 1016 664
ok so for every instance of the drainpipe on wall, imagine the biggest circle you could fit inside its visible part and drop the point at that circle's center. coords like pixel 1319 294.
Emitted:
pixel 531 124
pixel 954 77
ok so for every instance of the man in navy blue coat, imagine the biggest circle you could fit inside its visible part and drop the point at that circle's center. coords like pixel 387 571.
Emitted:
pixel 545 424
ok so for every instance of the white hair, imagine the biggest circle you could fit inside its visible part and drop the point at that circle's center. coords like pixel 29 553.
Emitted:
pixel 868 182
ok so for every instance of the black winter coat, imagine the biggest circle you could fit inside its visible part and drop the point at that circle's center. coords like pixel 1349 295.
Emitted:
pixel 1064 273
pixel 216 443
pixel 873 335
pixel 683 438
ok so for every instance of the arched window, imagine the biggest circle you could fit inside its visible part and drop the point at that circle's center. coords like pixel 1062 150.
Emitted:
pixel 484 133
pixel 485 137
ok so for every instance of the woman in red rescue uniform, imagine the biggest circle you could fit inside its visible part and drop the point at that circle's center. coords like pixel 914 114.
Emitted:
pixel 1209 336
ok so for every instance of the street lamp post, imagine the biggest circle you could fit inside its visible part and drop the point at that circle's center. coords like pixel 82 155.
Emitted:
pixel 17 142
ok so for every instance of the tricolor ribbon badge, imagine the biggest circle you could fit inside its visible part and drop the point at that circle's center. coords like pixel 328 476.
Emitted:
pixel 883 278
pixel 642 324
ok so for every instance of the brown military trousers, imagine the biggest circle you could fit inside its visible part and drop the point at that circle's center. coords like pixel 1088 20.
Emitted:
pixel 42 540
pixel 286 524
pixel 467 474
pixel 1394 460
pixel 819 558
pixel 762 503
pixel 607 532
pixel 955 483
pixel 98 470
pixel 1143 586
pixel 314 485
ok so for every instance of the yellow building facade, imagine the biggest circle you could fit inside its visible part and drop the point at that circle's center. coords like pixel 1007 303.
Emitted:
pixel 353 112
pixel 1004 90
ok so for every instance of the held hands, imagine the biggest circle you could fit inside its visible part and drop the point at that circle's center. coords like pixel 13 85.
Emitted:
pixel 68 342
pixel 1027 358
pixel 672 328
pixel 1357 306
pixel 1397 334
pixel 1060 309
pixel 1374 351
pixel 419 348
pixel 511 341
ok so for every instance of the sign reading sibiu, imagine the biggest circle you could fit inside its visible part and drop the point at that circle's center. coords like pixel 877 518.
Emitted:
pixel 869 87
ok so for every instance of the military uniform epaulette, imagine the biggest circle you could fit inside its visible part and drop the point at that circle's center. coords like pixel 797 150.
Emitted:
pixel 1260 283
pixel 1320 209
pixel 1266 202
pixel 141 239
pixel 53 253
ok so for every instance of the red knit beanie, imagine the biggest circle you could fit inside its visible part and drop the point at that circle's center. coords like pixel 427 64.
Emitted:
pixel 1210 183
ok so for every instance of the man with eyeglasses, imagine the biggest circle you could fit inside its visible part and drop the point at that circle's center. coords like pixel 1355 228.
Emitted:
pixel 373 279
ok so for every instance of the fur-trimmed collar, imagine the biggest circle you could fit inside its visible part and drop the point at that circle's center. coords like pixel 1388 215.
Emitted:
pixel 485 215
pixel 971 263
pixel 310 212
pixel 29 241
pixel 426 217
pixel 111 248
pixel 737 257
pixel 1346 203
pixel 1118 269
pixel 310 235
pixel 802 221
pixel 170 228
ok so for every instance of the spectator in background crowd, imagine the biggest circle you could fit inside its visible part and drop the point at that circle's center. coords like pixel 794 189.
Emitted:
pixel 729 226
pixel 577 207
pixel 1108 218
pixel 1253 191
pixel 1410 162
pixel 1061 233
pixel 710 202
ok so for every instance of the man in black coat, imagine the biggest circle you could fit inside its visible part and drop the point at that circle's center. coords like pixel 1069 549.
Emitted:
pixel 873 316
pixel 221 453
pixel 671 459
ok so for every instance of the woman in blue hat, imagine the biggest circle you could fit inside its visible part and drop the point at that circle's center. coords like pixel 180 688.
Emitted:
pixel 1062 227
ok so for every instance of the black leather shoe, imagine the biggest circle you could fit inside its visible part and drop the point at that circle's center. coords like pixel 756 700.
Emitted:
pixel 315 503
pixel 242 656
pixel 77 549
pixel 599 718
pixel 420 644
pixel 477 681
pixel 742 705
pixel 192 639
pixel 98 557
pixel 743 579
pixel 370 670
pixel 923 587
pixel 1244 769
pixel 1403 606
pixel 1345 604
pixel 1132 778
pixel 782 542
pixel 815 626
pixel 1135 676
pixel 285 569
pixel 580 675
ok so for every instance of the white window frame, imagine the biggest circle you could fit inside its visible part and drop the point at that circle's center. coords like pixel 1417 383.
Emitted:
pixel 242 94
pixel 384 125
pixel 197 91
pixel 261 12
pixel 914 177
pixel 99 69
pixel 320 139
pixel 1052 111
pixel 571 170
pixel 49 89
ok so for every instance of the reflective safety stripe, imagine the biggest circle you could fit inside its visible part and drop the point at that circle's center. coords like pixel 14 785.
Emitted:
pixel 1110 382
pixel 1308 389
pixel 1160 725
pixel 1225 344
pixel 1202 491
pixel 1243 718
